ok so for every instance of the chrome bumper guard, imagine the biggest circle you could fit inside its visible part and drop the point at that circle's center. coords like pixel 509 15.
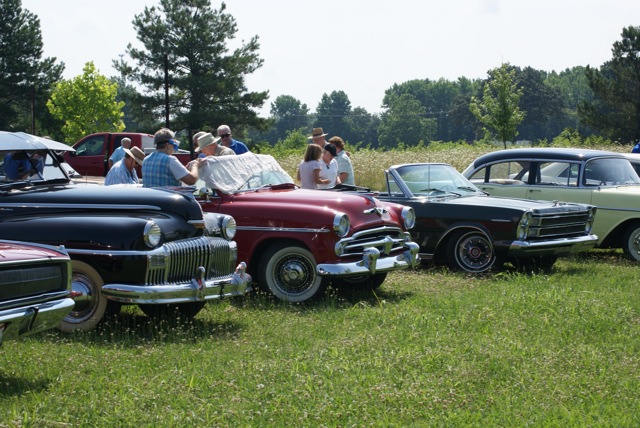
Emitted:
pixel 372 263
pixel 553 247
pixel 19 321
pixel 197 290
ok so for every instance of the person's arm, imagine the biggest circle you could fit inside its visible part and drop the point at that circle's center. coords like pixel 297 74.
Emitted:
pixel 192 177
pixel 317 179
pixel 343 176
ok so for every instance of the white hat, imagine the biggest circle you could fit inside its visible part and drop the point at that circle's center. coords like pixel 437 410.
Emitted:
pixel 205 140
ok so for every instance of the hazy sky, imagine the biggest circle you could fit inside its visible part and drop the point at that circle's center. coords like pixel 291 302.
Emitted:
pixel 362 47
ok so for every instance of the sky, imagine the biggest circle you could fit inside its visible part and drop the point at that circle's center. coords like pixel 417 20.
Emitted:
pixel 361 47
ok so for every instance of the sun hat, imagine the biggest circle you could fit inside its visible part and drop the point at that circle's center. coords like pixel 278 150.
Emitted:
pixel 205 140
pixel 317 132
pixel 136 154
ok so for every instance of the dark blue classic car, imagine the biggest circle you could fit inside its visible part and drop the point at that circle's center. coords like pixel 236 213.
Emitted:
pixel 459 225
pixel 128 245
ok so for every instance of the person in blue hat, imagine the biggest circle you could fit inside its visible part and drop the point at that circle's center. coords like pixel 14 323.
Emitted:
pixel 162 169
pixel 636 148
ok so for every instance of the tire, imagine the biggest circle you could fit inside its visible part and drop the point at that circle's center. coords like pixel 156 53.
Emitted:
pixel 289 272
pixel 470 251
pixel 631 242
pixel 91 305
pixel 173 311
pixel 368 282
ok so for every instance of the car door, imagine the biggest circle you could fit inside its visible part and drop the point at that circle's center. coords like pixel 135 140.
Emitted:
pixel 557 181
pixel 89 157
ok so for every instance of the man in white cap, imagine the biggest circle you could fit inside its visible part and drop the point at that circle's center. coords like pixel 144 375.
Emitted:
pixel 124 171
pixel 162 169
pixel 208 145
pixel 118 153
pixel 317 137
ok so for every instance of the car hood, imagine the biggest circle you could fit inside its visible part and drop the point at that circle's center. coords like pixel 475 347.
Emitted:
pixel 303 208
pixel 13 251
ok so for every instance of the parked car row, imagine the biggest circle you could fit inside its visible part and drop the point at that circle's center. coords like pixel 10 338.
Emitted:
pixel 171 250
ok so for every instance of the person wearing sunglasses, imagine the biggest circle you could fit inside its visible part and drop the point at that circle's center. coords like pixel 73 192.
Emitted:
pixel 224 132
pixel 162 169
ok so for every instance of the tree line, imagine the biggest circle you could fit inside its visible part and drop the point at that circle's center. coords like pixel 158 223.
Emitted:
pixel 185 76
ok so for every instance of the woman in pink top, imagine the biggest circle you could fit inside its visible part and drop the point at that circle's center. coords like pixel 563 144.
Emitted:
pixel 309 168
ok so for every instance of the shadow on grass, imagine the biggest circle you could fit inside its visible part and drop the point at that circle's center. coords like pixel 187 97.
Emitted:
pixel 13 387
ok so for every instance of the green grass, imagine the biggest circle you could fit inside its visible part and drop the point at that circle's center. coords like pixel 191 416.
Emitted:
pixel 429 348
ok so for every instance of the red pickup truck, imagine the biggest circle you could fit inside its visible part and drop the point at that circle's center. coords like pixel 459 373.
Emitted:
pixel 93 151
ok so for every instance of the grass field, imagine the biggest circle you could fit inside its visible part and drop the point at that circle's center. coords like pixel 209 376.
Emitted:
pixel 429 348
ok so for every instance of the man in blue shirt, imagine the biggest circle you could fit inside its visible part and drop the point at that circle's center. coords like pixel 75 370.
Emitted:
pixel 224 132
pixel 124 171
pixel 17 166
pixel 118 153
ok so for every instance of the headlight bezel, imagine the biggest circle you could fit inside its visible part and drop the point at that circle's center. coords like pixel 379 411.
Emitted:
pixel 522 231
pixel 341 224
pixel 152 234
pixel 408 215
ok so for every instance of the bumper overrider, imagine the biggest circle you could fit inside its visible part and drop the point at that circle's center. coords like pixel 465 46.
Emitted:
pixel 33 317
pixel 197 290
pixel 374 261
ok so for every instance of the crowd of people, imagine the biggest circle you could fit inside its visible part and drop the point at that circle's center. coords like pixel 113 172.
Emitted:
pixel 326 164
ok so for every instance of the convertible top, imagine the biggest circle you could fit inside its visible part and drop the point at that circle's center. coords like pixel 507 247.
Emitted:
pixel 231 173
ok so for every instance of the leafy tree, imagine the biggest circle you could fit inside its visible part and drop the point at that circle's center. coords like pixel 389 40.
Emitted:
pixel 289 114
pixel 498 110
pixel 87 104
pixel 25 77
pixel 332 113
pixel 205 83
pixel 405 123
pixel 363 127
pixel 574 88
pixel 615 111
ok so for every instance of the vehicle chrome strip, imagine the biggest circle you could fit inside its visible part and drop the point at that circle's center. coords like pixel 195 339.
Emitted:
pixel 283 229
pixel 83 206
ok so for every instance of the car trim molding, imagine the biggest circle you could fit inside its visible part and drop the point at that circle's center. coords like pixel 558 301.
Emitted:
pixel 87 206
pixel 284 229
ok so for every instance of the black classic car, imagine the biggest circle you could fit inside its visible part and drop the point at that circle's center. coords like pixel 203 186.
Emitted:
pixel 35 283
pixel 128 245
pixel 461 226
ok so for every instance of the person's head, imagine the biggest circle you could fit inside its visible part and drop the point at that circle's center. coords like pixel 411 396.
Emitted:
pixel 328 153
pixel 224 132
pixel 208 144
pixel 132 157
pixel 195 138
pixel 126 142
pixel 313 152
pixel 165 141
pixel 338 143
pixel 317 137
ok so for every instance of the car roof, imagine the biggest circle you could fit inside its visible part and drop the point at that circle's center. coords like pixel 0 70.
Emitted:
pixel 553 153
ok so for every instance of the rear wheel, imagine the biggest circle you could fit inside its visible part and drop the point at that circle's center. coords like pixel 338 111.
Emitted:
pixel 631 242
pixel 289 271
pixel 470 251
pixel 91 305
pixel 173 311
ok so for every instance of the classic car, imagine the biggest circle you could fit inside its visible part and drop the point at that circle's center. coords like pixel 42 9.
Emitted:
pixel 298 241
pixel 35 284
pixel 150 247
pixel 601 178
pixel 464 228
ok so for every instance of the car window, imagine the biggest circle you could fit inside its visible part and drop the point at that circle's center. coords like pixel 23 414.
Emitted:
pixel 511 173
pixel 609 172
pixel 91 147
pixel 557 174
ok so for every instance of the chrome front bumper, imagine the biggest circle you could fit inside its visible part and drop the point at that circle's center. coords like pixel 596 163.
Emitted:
pixel 29 319
pixel 197 290
pixel 371 263
pixel 553 247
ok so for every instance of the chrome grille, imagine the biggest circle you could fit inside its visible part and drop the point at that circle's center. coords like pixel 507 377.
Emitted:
pixel 30 280
pixel 558 225
pixel 177 261
pixel 386 239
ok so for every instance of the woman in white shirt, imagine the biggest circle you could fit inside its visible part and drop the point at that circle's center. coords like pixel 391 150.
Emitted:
pixel 309 168
pixel 330 167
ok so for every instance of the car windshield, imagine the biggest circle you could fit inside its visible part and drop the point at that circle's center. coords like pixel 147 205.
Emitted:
pixel 246 172
pixel 24 167
pixel 430 180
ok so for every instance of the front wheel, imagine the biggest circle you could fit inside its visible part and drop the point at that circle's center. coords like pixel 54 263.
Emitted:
pixel 289 271
pixel 90 307
pixel 631 242
pixel 470 251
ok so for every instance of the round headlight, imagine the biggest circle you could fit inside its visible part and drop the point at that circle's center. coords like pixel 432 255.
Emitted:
pixel 152 234
pixel 341 224
pixel 228 228
pixel 589 223
pixel 408 217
